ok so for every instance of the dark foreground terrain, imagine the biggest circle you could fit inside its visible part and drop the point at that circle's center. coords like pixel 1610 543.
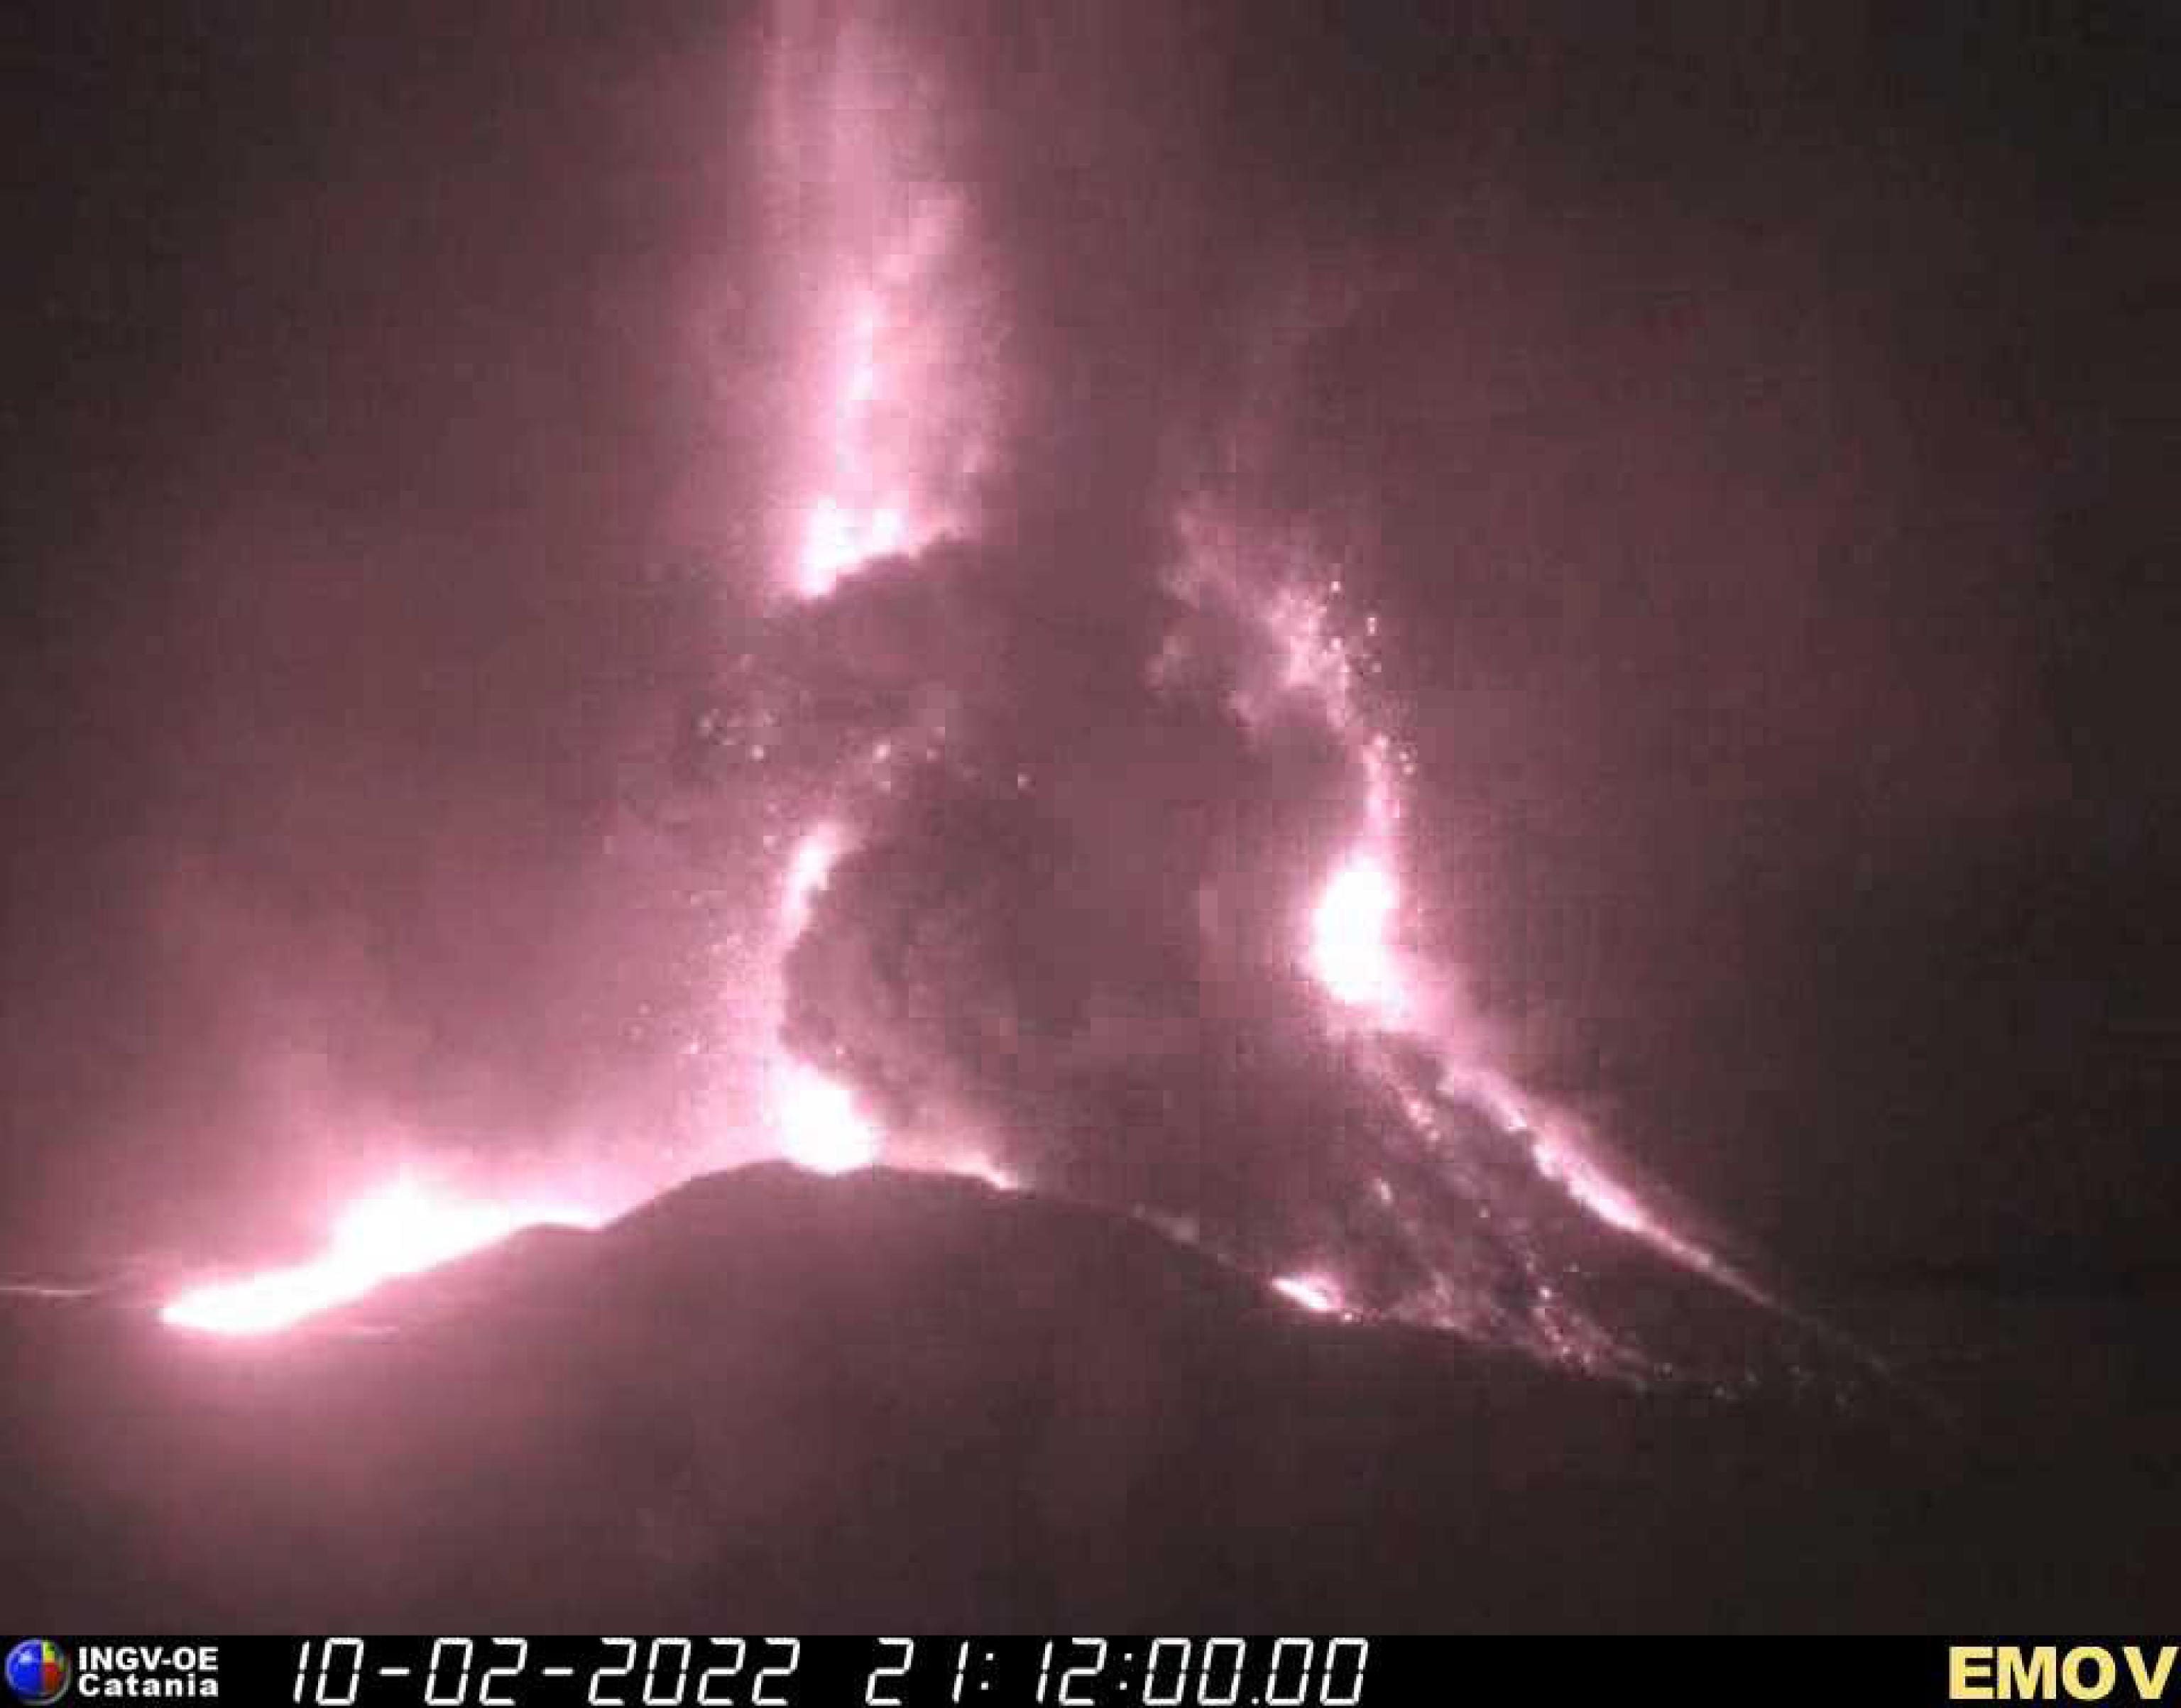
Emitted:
pixel 770 1401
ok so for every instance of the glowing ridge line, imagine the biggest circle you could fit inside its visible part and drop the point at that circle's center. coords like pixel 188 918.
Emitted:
pixel 400 1230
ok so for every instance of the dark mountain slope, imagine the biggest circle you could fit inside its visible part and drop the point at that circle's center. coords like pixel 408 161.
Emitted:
pixel 772 1401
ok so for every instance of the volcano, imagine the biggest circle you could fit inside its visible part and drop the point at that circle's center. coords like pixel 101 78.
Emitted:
pixel 774 1400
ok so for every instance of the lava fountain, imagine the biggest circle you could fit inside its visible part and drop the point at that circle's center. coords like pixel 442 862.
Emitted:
pixel 1350 952
pixel 904 408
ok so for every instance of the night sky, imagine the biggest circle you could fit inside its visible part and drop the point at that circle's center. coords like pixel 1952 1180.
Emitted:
pixel 1744 436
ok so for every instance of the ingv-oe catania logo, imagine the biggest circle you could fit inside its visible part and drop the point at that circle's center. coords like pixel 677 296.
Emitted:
pixel 37 1671
pixel 40 1672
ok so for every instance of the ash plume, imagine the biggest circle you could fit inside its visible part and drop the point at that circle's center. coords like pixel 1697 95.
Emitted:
pixel 1094 737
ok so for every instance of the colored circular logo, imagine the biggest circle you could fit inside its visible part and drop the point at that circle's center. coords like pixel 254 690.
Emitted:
pixel 38 1670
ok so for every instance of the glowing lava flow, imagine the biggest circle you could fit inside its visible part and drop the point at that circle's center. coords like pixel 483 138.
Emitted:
pixel 1349 948
pixel 1315 1293
pixel 1350 954
pixel 398 1230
